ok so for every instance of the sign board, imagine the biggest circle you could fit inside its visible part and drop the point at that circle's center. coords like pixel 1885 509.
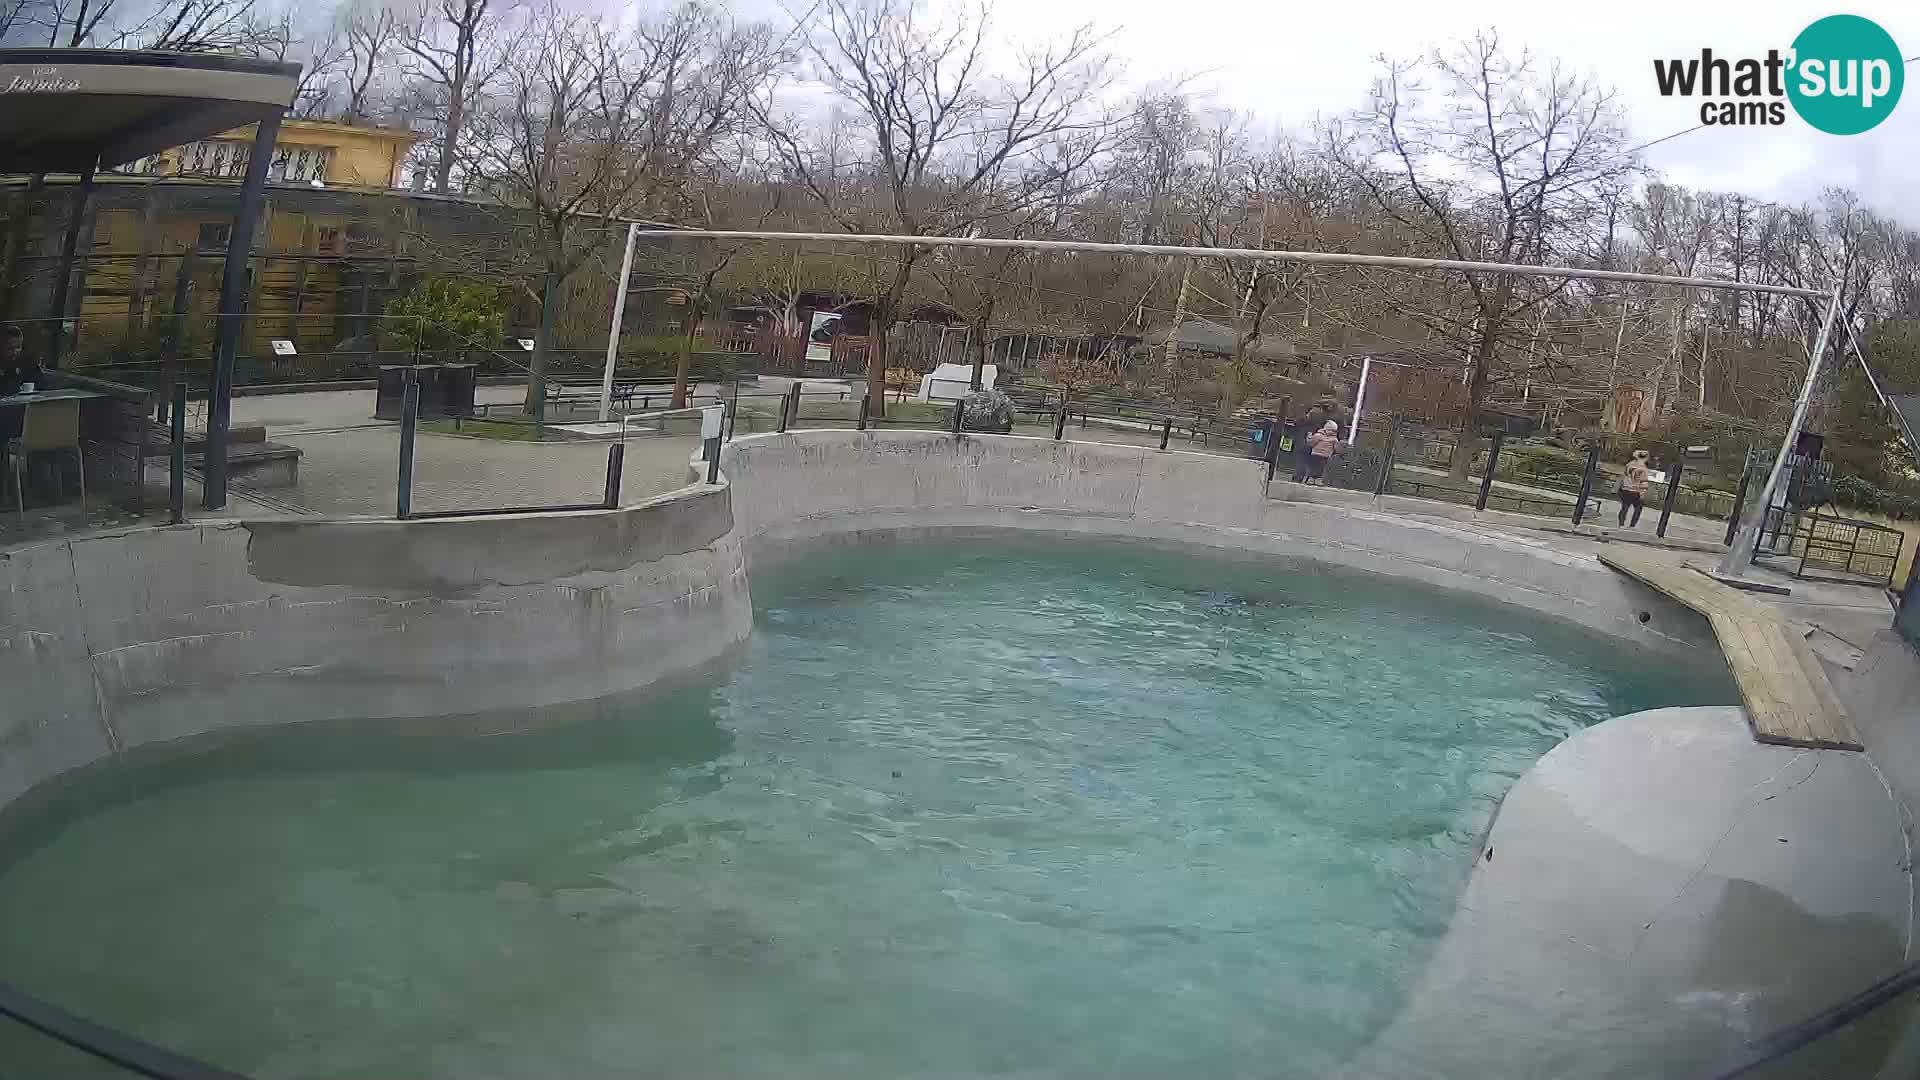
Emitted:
pixel 526 343
pixel 283 347
pixel 710 421
pixel 1655 476
pixel 820 335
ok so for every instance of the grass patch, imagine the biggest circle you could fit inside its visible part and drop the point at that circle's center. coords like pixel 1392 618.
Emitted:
pixel 509 431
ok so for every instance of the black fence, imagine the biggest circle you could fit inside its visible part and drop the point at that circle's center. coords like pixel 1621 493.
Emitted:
pixel 1826 547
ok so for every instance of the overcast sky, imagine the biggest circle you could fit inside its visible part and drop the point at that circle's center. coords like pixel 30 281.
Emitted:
pixel 1290 61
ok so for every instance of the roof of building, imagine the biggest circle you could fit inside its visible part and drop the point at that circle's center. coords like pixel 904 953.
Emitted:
pixel 64 110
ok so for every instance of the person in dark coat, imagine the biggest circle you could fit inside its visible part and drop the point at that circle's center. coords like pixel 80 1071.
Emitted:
pixel 17 369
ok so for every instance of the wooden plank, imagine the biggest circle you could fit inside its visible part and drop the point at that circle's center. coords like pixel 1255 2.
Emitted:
pixel 1788 697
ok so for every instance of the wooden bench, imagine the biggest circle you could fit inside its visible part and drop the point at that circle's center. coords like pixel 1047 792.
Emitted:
pixel 1788 697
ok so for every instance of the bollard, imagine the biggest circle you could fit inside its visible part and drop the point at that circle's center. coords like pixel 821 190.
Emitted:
pixel 1166 431
pixel 1060 422
pixel 1273 451
pixel 733 410
pixel 1673 493
pixel 409 419
pixel 866 405
pixel 1586 483
pixel 792 405
pixel 1739 500
pixel 616 459
pixel 1493 459
pixel 781 422
pixel 177 431
pixel 959 416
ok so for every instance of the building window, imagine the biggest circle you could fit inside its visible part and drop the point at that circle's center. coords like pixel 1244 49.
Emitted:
pixel 213 237
pixel 329 240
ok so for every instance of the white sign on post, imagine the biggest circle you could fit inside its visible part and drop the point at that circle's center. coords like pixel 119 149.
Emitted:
pixel 526 343
pixel 710 421
pixel 283 347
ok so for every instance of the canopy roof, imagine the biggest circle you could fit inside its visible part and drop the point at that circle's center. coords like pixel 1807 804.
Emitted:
pixel 63 110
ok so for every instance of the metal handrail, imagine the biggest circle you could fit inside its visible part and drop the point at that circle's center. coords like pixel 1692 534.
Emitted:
pixel 107 1044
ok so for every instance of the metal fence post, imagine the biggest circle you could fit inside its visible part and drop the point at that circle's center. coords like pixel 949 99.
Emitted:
pixel 866 407
pixel 1673 494
pixel 1493 461
pixel 959 416
pixel 1273 451
pixel 177 423
pixel 785 401
pixel 793 407
pixel 1166 431
pixel 1586 483
pixel 1385 483
pixel 1739 499
pixel 1060 422
pixel 733 411
pixel 409 419
pixel 616 460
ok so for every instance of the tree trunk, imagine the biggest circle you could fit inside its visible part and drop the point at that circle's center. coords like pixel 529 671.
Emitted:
pixel 450 138
pixel 535 404
pixel 685 363
pixel 1477 381
pixel 877 359
pixel 979 330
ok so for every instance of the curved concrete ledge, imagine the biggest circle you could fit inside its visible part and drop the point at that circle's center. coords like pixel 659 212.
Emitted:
pixel 116 641
pixel 802 489
pixel 1658 890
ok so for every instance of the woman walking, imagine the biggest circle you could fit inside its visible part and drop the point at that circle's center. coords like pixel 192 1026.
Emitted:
pixel 1633 488
pixel 1320 447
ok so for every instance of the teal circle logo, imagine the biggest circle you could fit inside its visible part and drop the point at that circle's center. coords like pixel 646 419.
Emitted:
pixel 1846 76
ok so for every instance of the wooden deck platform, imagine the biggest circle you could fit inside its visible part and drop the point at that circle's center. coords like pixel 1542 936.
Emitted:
pixel 1788 697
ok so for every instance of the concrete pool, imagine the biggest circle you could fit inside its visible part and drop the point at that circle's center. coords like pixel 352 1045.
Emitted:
pixel 411 626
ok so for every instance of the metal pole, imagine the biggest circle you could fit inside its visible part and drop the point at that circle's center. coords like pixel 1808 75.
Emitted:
pixel 1310 257
pixel 1386 470
pixel 69 247
pixel 1166 431
pixel 1360 400
pixel 1673 494
pixel 176 321
pixel 959 415
pixel 866 405
pixel 613 332
pixel 1060 421
pixel 233 291
pixel 1273 450
pixel 616 461
pixel 793 405
pixel 785 401
pixel 1493 461
pixel 1586 483
pixel 177 430
pixel 1747 537
pixel 409 419
pixel 733 411
pixel 1739 498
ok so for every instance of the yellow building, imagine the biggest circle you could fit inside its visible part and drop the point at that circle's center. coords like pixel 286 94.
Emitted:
pixel 326 254
pixel 306 150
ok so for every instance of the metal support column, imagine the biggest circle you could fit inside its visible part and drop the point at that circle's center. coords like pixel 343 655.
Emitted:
pixel 1586 483
pixel 409 420
pixel 69 248
pixel 1747 537
pixel 1493 460
pixel 233 288
pixel 1739 499
pixel 1673 496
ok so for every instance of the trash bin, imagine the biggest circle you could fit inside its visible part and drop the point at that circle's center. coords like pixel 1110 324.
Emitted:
pixel 456 389
pixel 387 392
pixel 1263 430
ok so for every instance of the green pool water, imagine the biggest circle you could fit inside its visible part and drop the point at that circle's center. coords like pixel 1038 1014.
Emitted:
pixel 1043 807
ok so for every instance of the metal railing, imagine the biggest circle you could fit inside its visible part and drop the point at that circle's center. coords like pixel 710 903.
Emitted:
pixel 103 1043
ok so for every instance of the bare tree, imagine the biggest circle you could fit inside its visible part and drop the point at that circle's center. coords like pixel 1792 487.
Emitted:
pixel 944 144
pixel 455 49
pixel 1506 166
pixel 371 34
pixel 593 127
pixel 175 25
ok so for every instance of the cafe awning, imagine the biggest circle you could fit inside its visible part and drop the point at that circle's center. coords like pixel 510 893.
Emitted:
pixel 66 110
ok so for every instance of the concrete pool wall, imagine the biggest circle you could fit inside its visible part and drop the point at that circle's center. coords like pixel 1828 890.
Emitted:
pixel 801 489
pixel 1663 865
pixel 123 640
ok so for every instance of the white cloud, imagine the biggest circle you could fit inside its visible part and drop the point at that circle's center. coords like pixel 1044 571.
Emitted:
pixel 1291 62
